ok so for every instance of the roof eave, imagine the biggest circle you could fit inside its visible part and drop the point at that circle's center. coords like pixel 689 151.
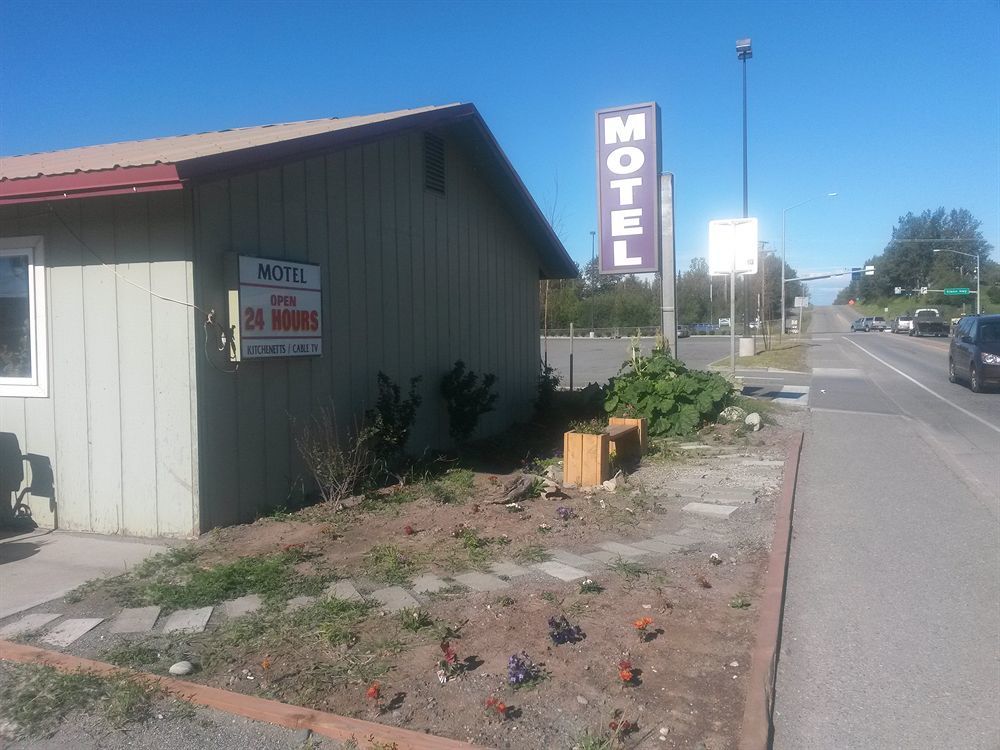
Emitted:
pixel 118 181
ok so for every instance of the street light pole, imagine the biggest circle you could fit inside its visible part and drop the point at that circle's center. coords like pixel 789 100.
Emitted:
pixel 978 287
pixel 783 215
pixel 743 53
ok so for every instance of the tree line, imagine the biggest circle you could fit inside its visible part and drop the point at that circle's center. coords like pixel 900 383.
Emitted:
pixel 593 300
pixel 909 262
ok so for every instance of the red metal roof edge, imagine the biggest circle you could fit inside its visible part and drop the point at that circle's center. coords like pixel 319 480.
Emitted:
pixel 90 184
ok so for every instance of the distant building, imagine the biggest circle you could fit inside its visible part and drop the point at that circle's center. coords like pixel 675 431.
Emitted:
pixel 428 247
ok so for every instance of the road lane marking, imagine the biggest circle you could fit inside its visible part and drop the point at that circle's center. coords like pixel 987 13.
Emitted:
pixel 964 411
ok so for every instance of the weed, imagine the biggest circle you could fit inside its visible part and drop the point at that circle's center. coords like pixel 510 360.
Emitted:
pixel 591 741
pixel 415 620
pixel 741 601
pixel 453 487
pixel 505 601
pixel 132 655
pixel 589 586
pixel 548 596
pixel 533 553
pixel 628 569
pixel 37 698
pixel 386 563
pixel 588 426
pixel 339 462
pixel 448 592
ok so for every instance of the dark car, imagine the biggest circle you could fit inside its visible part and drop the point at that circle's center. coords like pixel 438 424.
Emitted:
pixel 683 332
pixel 974 353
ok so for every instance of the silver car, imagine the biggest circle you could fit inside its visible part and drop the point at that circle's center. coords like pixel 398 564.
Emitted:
pixel 902 324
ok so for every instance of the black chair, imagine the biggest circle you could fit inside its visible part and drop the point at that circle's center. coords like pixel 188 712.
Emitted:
pixel 12 477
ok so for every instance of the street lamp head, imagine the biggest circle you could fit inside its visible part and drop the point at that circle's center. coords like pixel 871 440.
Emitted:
pixel 743 49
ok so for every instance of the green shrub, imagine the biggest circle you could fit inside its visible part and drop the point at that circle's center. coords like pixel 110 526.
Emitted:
pixel 548 382
pixel 467 399
pixel 674 400
pixel 389 423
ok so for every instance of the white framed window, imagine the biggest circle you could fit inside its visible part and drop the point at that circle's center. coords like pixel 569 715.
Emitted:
pixel 23 351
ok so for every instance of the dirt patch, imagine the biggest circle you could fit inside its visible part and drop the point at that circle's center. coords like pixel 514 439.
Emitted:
pixel 686 688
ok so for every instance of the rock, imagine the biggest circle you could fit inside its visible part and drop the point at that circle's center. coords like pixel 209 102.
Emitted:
pixel 715 559
pixel 732 414
pixel 734 663
pixel 581 700
pixel 664 730
pixel 181 668
pixel 753 421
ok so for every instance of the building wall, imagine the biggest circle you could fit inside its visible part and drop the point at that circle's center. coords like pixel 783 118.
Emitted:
pixel 118 422
pixel 412 281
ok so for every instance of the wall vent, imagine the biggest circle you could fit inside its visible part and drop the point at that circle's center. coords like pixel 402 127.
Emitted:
pixel 434 163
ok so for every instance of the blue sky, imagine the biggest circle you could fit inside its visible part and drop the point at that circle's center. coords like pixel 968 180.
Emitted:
pixel 894 105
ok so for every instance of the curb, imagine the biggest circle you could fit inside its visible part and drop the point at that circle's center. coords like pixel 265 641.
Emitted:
pixel 330 725
pixel 757 728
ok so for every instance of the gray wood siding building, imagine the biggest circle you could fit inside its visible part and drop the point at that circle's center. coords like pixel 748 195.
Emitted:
pixel 148 429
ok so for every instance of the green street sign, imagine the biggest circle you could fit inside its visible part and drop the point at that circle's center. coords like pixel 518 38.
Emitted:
pixel 957 290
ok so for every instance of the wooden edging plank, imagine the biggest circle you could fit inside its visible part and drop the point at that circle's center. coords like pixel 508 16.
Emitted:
pixel 756 727
pixel 326 724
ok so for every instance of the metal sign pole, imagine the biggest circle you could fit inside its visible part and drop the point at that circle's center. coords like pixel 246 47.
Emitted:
pixel 732 317
pixel 668 261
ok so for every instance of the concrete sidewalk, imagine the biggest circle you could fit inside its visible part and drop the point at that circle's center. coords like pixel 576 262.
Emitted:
pixel 41 565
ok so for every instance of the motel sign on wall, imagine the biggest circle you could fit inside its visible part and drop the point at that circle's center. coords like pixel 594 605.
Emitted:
pixel 280 308
pixel 628 168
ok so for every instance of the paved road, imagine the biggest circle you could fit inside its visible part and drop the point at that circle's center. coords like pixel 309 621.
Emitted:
pixel 596 360
pixel 891 634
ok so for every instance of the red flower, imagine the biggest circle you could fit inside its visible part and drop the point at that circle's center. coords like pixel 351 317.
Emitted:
pixel 642 623
pixel 449 653
pixel 373 691
pixel 408 530
pixel 625 675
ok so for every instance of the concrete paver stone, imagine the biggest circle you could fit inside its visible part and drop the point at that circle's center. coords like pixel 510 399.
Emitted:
pixel 298 602
pixel 658 545
pixel 345 590
pixel 68 631
pixel 568 558
pixel 395 598
pixel 482 581
pixel 188 620
pixel 709 509
pixel 428 583
pixel 625 550
pixel 560 570
pixel 28 624
pixel 135 620
pixel 509 569
pixel 602 556
pixel 244 605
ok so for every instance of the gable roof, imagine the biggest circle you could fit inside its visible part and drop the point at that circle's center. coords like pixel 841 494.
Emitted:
pixel 172 162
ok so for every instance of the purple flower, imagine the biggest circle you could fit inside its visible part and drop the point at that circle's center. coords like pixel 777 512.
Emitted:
pixel 520 669
pixel 560 631
pixel 564 513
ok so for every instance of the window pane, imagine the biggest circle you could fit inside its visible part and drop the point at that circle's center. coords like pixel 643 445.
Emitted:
pixel 15 331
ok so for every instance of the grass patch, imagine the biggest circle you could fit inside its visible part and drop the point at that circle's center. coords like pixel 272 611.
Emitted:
pixel 173 581
pixel 387 563
pixel 533 553
pixel 415 620
pixel 454 487
pixel 788 356
pixel 37 699
pixel 132 655
pixel 327 622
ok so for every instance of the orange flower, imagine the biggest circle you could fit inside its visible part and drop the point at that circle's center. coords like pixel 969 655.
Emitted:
pixel 501 708
pixel 643 623
pixel 625 675
pixel 266 663
pixel 373 691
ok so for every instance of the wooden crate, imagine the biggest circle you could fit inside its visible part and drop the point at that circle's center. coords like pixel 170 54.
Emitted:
pixel 585 458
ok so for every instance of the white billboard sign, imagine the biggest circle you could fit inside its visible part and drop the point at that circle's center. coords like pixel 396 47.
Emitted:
pixel 801 302
pixel 732 246
pixel 281 312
